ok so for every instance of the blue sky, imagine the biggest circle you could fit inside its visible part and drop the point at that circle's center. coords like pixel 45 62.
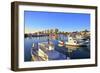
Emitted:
pixel 37 21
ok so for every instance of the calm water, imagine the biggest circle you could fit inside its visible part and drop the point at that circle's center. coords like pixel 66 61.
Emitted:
pixel 65 51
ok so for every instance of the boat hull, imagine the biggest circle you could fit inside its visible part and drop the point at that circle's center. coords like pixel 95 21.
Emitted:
pixel 77 45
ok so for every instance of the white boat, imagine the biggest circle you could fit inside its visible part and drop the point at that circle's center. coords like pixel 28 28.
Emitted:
pixel 75 42
pixel 61 43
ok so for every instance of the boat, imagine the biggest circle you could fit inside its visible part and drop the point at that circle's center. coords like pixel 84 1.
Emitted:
pixel 45 51
pixel 60 43
pixel 39 51
pixel 72 41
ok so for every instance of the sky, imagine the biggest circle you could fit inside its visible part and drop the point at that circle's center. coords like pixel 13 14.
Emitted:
pixel 35 21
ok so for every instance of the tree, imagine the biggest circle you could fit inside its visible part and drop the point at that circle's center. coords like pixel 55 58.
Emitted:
pixel 56 30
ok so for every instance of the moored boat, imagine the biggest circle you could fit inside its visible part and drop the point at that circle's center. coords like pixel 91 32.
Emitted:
pixel 61 43
pixel 39 51
pixel 75 42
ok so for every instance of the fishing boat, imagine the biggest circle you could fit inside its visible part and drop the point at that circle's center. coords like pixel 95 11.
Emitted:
pixel 75 42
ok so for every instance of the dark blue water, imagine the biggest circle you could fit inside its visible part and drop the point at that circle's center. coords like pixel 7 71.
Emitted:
pixel 64 51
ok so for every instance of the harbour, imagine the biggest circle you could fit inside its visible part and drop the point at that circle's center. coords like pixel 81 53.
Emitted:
pixel 44 48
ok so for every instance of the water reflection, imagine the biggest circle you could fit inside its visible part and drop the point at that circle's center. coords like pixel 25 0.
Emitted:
pixel 71 48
